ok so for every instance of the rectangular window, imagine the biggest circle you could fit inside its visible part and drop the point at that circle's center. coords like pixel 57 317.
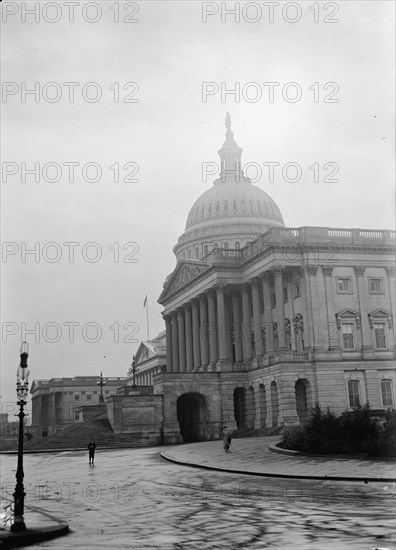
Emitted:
pixel 76 415
pixel 379 333
pixel 353 393
pixel 297 289
pixel 273 300
pixel 375 286
pixel 344 285
pixel 347 336
pixel 89 396
pixel 76 398
pixel 386 393
pixel 285 295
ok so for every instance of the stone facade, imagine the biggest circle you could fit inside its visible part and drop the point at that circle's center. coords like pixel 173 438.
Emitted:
pixel 60 401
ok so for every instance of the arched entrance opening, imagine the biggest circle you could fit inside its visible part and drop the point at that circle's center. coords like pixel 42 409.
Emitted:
pixel 239 407
pixel 192 417
pixel 303 395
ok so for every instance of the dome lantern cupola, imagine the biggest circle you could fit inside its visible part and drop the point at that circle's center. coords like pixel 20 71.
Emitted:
pixel 230 155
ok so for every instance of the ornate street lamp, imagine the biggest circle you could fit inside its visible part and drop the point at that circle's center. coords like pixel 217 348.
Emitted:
pixel 22 391
pixel 101 382
pixel 133 365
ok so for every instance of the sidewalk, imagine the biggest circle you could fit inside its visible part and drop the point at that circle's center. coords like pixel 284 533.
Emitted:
pixel 253 456
pixel 40 525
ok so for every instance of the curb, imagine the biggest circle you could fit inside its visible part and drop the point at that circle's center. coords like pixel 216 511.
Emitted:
pixel 285 476
pixel 275 449
pixel 34 535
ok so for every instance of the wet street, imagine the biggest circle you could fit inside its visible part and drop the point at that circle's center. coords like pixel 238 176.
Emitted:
pixel 135 499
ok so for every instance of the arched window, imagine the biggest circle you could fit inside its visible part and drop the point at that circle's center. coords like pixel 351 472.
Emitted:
pixel 205 249
pixel 225 206
pixel 197 252
pixel 226 246
pixel 237 245
pixel 190 253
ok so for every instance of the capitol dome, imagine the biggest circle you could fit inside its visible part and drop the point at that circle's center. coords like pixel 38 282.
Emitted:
pixel 231 213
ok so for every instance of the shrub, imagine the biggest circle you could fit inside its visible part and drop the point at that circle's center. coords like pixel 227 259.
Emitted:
pixel 294 438
pixel 353 433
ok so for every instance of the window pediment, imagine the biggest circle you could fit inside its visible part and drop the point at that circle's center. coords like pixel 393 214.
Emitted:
pixel 380 315
pixel 348 314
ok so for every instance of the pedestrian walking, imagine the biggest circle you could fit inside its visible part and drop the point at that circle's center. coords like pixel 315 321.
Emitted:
pixel 226 435
pixel 91 450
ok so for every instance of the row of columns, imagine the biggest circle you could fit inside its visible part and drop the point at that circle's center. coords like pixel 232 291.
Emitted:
pixel 220 325
pixel 145 378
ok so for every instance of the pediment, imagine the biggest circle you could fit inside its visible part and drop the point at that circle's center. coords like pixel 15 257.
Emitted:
pixel 380 313
pixel 185 272
pixel 143 354
pixel 348 313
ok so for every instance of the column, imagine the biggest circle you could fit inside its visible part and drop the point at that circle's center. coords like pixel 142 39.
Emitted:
pixel 182 340
pixel 228 327
pixel 258 337
pixel 334 342
pixel 246 325
pixel 367 343
pixel 280 310
pixel 392 294
pixel 315 327
pixel 221 340
pixel 189 344
pixel 168 327
pixel 203 314
pixel 307 315
pixel 175 348
pixel 269 333
pixel 236 316
pixel 196 340
pixel 51 418
pixel 212 326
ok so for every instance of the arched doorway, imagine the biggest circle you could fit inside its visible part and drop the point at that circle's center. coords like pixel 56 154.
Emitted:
pixel 239 407
pixel 192 417
pixel 302 388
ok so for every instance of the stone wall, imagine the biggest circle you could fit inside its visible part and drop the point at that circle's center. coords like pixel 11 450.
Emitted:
pixel 138 415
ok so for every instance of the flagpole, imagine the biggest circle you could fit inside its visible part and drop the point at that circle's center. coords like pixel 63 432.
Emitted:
pixel 147 316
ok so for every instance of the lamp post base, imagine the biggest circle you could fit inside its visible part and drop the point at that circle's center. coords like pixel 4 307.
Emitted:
pixel 18 526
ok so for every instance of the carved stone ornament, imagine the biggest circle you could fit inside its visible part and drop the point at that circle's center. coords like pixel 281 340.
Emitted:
pixel 359 270
pixel 327 270
pixel 391 270
pixel 312 269
pixel 186 274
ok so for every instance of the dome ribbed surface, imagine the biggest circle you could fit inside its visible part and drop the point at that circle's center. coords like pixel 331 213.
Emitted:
pixel 231 200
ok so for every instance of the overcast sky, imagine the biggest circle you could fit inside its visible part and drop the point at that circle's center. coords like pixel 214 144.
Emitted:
pixel 168 133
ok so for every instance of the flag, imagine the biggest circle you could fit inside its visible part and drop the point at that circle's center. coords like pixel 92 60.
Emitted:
pixel 145 301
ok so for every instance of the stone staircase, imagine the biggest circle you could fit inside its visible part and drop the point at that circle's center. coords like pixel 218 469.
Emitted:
pixel 77 437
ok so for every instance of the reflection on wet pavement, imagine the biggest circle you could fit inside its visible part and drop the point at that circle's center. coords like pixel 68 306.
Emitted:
pixel 134 499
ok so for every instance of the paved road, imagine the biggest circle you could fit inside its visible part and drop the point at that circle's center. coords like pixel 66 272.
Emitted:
pixel 134 499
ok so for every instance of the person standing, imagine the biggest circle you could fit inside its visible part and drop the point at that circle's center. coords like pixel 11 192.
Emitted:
pixel 91 450
pixel 226 435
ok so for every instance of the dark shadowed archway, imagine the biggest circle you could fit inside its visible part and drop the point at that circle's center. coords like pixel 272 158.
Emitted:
pixel 192 417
